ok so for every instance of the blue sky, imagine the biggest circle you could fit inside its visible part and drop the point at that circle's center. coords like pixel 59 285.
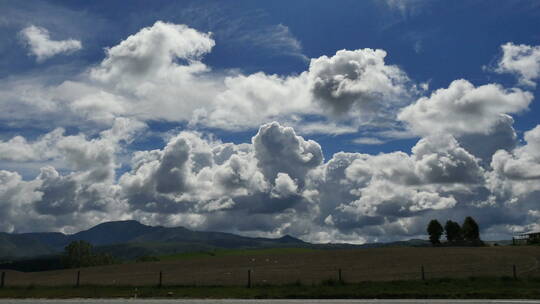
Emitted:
pixel 422 94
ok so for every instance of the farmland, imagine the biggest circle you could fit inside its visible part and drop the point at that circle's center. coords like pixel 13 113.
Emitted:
pixel 300 267
pixel 471 288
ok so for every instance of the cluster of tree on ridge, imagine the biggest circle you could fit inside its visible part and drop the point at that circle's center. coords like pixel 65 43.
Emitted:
pixel 468 232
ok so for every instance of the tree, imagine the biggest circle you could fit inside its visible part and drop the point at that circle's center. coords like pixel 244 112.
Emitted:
pixel 435 230
pixel 81 254
pixel 471 232
pixel 453 231
pixel 78 254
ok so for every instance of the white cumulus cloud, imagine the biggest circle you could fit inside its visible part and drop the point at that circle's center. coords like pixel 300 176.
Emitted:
pixel 357 80
pixel 157 73
pixel 463 108
pixel 521 60
pixel 43 47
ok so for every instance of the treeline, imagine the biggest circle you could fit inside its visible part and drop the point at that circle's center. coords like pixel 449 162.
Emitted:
pixel 77 254
pixel 467 233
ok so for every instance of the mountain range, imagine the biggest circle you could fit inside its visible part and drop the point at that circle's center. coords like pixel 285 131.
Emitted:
pixel 131 239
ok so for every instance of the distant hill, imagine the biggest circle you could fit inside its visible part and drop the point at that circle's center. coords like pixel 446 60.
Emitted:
pixel 131 239
pixel 21 245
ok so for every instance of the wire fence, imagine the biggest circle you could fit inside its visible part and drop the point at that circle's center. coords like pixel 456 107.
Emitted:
pixel 256 275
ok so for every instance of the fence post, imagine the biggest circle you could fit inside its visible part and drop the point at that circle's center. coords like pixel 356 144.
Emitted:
pixel 514 271
pixel 423 273
pixel 78 278
pixel 249 279
pixel 339 276
pixel 160 279
pixel 3 280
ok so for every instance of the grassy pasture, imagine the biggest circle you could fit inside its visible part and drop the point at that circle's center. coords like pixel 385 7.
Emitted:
pixel 471 288
pixel 300 267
